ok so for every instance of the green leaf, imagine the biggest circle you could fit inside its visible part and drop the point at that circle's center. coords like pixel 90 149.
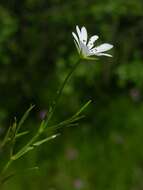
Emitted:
pixel 42 127
pixel 9 135
pixel 22 134
pixel 24 117
pixel 68 122
pixel 38 143
pixel 31 147
pixel 83 108
pixel 21 153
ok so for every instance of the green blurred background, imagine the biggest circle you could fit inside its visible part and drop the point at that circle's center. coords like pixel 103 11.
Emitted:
pixel 36 51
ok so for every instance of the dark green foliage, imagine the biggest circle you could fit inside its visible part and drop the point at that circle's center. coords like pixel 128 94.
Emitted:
pixel 36 52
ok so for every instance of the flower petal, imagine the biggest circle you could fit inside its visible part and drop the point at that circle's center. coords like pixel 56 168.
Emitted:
pixel 78 32
pixel 84 35
pixel 78 49
pixel 104 54
pixel 91 41
pixel 84 50
pixel 102 48
pixel 76 39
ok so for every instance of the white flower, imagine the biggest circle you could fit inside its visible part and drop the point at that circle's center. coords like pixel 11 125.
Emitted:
pixel 86 47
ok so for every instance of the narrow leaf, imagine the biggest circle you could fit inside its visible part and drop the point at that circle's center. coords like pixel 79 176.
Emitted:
pixel 42 127
pixel 22 134
pixel 24 117
pixel 67 123
pixel 9 135
pixel 38 143
pixel 21 153
pixel 83 108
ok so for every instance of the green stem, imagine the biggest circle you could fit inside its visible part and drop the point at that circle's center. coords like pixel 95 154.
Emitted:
pixel 20 153
pixel 59 92
pixel 6 167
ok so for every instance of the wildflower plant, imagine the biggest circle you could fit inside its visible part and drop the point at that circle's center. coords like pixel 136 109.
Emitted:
pixel 86 50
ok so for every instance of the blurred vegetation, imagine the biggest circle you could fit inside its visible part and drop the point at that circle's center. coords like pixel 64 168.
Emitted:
pixel 36 52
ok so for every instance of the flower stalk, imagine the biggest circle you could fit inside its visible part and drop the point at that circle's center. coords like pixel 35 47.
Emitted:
pixel 59 92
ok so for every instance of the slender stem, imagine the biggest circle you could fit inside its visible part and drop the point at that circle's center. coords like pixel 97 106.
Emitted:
pixel 59 92
pixel 6 167
pixel 20 152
